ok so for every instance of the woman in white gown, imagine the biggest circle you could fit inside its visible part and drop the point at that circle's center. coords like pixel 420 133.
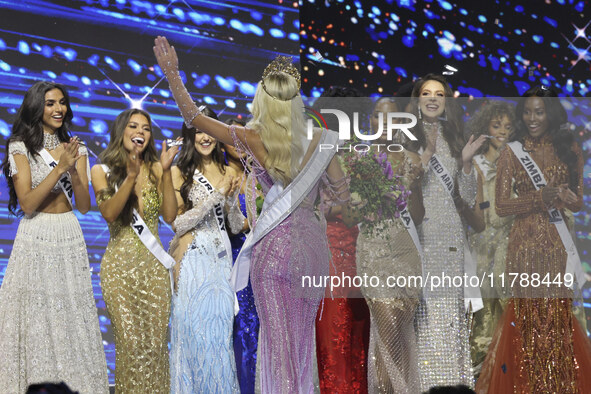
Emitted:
pixel 49 327
pixel 444 349
pixel 202 353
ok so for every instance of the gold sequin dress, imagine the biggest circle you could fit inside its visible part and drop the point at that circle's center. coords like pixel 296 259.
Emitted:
pixel 489 248
pixel 136 289
pixel 387 252
pixel 538 347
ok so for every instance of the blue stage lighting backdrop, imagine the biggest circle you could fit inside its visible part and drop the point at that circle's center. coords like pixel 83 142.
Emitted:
pixel 485 48
pixel 101 50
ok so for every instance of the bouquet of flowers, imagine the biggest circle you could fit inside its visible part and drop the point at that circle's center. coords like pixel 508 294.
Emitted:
pixel 376 192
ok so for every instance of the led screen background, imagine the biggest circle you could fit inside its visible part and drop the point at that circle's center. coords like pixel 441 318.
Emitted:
pixel 102 52
pixel 498 47
pixel 495 48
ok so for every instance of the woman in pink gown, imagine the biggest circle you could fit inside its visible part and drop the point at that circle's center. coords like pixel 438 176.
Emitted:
pixel 288 242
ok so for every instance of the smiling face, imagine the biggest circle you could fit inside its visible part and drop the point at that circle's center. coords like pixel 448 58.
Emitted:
pixel 137 133
pixel 54 110
pixel 204 144
pixel 432 100
pixel 500 128
pixel 535 117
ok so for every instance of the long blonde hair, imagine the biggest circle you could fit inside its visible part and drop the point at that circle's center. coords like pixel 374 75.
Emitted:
pixel 280 123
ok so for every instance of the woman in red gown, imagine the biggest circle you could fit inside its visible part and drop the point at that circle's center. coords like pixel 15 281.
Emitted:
pixel 342 322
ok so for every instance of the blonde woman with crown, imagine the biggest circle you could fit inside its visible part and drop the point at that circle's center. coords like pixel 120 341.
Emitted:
pixel 288 241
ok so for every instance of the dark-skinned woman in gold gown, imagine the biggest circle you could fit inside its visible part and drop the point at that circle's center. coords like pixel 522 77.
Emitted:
pixel 538 346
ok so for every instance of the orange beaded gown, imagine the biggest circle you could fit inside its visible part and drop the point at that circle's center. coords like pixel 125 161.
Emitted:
pixel 538 346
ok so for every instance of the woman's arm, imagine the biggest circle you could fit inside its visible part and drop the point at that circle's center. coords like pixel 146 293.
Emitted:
pixel 526 203
pixel 112 207
pixel 475 216
pixel 466 177
pixel 80 182
pixel 168 62
pixel 30 199
pixel 169 206
pixel 573 201
pixel 191 218
pixel 414 176
pixel 237 222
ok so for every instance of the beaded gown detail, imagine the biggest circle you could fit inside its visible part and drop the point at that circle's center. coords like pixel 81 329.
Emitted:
pixel 389 251
pixel 49 326
pixel 489 248
pixel 342 322
pixel 202 356
pixel 136 289
pixel 539 346
pixel 295 248
pixel 443 337
pixel 246 322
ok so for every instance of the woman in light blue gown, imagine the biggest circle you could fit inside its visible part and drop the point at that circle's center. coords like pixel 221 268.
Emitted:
pixel 202 356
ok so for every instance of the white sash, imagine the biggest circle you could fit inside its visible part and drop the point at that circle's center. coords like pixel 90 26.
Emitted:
pixel 148 239
pixel 409 224
pixel 471 294
pixel 65 182
pixel 219 214
pixel 279 203
pixel 573 261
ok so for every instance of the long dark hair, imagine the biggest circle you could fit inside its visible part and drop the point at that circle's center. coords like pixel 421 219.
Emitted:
pixel 115 157
pixel 557 117
pixel 28 128
pixel 453 127
pixel 189 159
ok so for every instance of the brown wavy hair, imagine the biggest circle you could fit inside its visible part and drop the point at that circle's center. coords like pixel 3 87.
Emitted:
pixel 115 157
pixel 480 121
pixel 453 126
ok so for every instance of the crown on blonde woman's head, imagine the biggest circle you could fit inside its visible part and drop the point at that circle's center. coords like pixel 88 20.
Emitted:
pixel 281 64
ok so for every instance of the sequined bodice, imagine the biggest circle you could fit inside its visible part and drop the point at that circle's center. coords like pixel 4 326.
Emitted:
pixel 542 151
pixel 197 195
pixel 435 196
pixel 39 169
pixel 151 211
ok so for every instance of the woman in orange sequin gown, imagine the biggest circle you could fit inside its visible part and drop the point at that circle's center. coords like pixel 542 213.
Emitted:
pixel 538 346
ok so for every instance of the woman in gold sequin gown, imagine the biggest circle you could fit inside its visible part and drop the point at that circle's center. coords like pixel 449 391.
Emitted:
pixel 136 286
pixel 538 347
pixel 489 244
pixel 390 252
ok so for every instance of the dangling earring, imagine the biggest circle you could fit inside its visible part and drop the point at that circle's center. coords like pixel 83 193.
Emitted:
pixel 443 116
pixel 420 114
pixel 225 157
